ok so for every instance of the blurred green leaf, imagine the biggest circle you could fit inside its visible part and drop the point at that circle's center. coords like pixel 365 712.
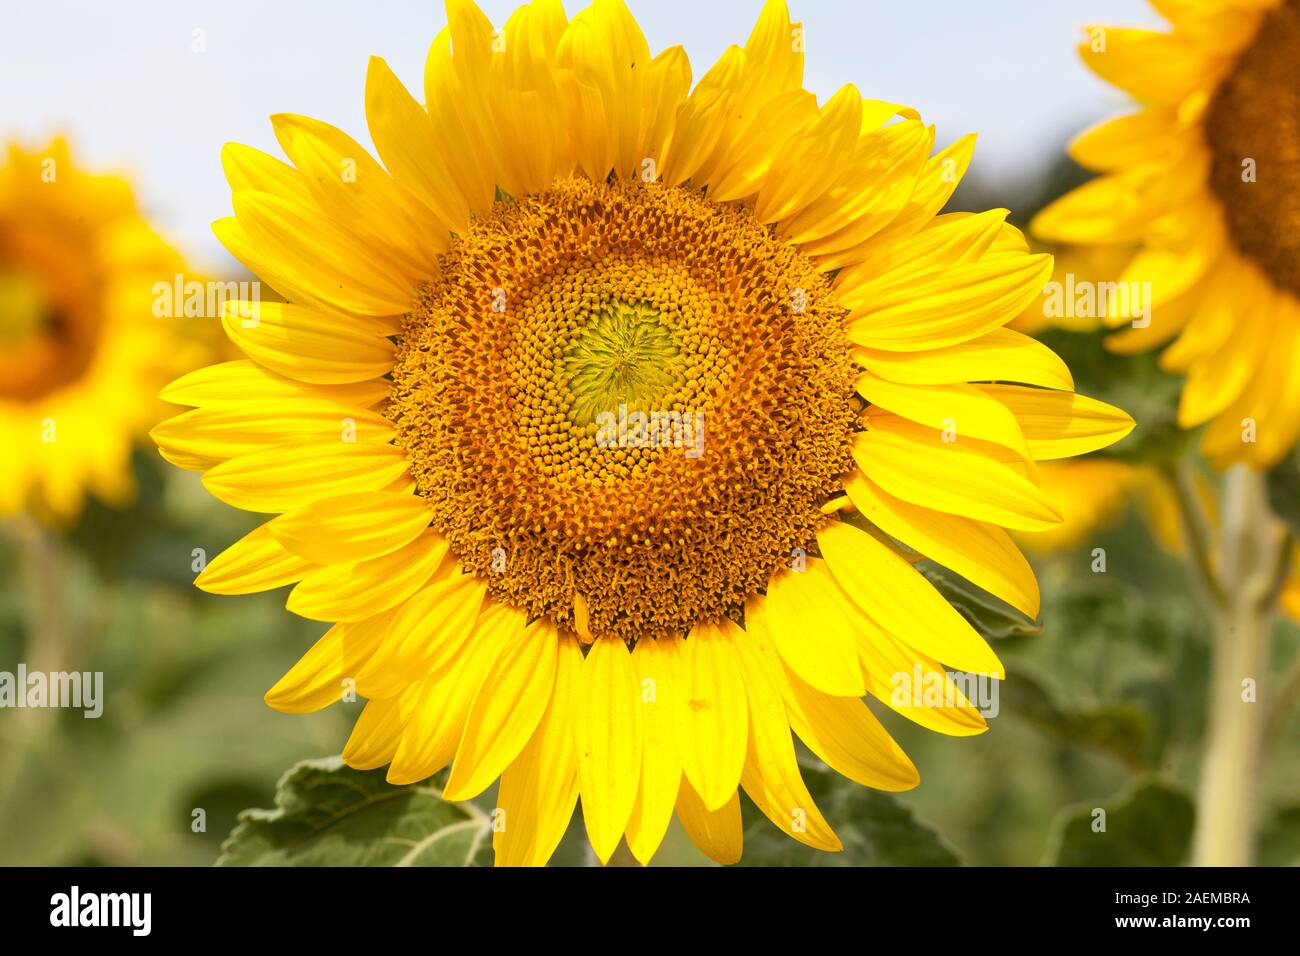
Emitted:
pixel 1284 491
pixel 1119 728
pixel 1150 826
pixel 327 814
pixel 1279 838
pixel 989 615
pixel 875 828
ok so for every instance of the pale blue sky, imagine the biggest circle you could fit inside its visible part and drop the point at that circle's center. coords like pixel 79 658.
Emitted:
pixel 122 80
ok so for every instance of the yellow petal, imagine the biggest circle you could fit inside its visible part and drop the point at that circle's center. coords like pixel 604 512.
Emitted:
pixel 352 527
pixel 935 184
pixel 248 168
pixel 1152 67
pixel 961 303
pixel 712 716
pixel 540 788
pixel 809 628
pixel 954 239
pixel 440 706
pixel 839 730
pixel 902 601
pixel 913 684
pixel 405 138
pixel 1000 355
pixel 950 477
pixel 1061 424
pixel 719 833
pixel 328 671
pixel 288 477
pixel 506 710
pixel 870 193
pixel 359 196
pixel 982 553
pixel 375 735
pixel 351 592
pixel 771 776
pixel 309 345
pixel 251 427
pixel 812 157
pixel 964 408
pixel 607 731
pixel 656 663
pixel 1126 140
pixel 256 562
pixel 231 384
pixel 426 632
pixel 335 266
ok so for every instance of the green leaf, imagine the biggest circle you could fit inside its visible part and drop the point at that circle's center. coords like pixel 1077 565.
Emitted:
pixel 1118 728
pixel 1279 838
pixel 327 814
pixel 990 616
pixel 1149 826
pixel 1284 491
pixel 875 828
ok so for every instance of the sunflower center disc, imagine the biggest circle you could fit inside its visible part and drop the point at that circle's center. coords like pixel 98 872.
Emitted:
pixel 1255 116
pixel 625 394
pixel 39 349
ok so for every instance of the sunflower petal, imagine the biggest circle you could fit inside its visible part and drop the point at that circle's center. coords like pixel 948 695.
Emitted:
pixel 712 716
pixel 540 787
pixel 607 729
pixel 506 710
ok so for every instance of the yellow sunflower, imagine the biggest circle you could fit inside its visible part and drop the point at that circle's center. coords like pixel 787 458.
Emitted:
pixel 1203 179
pixel 607 420
pixel 1091 493
pixel 81 354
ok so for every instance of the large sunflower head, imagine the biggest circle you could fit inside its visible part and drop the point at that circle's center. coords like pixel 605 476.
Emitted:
pixel 608 417
pixel 1204 180
pixel 81 352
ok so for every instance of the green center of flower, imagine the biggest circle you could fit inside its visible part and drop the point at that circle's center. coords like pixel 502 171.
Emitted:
pixel 24 312
pixel 625 357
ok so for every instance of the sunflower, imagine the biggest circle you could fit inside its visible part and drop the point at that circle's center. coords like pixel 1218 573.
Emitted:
pixel 607 419
pixel 1091 493
pixel 1203 180
pixel 81 354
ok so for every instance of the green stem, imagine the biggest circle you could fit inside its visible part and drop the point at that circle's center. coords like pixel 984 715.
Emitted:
pixel 1196 528
pixel 45 639
pixel 1247 569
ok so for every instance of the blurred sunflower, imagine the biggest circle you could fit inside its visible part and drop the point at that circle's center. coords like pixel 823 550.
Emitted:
pixel 82 355
pixel 1203 177
pixel 1091 494
pixel 451 420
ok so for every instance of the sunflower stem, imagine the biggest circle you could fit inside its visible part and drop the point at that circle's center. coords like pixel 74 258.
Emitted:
pixel 1196 529
pixel 1247 570
pixel 45 637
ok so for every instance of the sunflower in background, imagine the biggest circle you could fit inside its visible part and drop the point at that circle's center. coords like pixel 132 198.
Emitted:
pixel 1204 179
pixel 607 421
pixel 81 353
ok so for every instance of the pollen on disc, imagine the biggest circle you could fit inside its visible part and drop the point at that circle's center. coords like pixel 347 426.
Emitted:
pixel 626 393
